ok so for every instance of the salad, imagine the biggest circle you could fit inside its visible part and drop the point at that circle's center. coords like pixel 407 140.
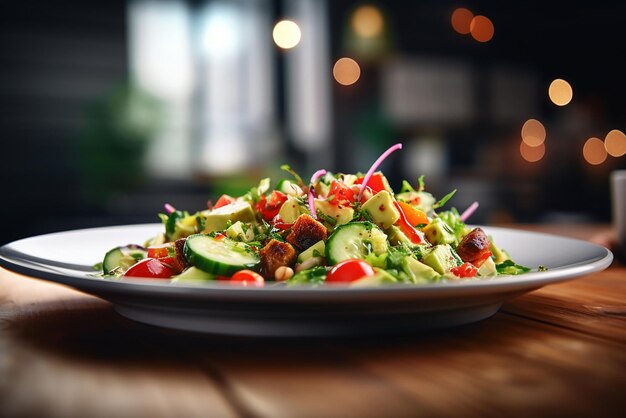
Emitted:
pixel 335 228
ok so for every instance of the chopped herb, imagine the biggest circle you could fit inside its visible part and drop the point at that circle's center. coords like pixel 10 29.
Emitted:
pixel 229 223
pixel 200 222
pixel 288 169
pixel 406 187
pixel 509 267
pixel 542 268
pixel 420 183
pixel 314 276
pixel 379 261
pixel 264 186
pixel 328 219
pixel 444 200
pixel 395 257
pixel 254 194
pixel 365 215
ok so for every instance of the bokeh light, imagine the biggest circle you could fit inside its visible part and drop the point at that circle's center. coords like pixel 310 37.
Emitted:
pixel 286 34
pixel 560 92
pixel 615 143
pixel 482 28
pixel 346 71
pixel 594 151
pixel 532 154
pixel 461 20
pixel 533 133
pixel 367 21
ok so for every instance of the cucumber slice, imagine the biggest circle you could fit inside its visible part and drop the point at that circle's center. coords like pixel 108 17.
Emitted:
pixel 355 240
pixel 222 256
pixel 289 188
pixel 119 259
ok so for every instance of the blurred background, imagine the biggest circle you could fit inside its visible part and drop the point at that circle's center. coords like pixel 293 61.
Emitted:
pixel 110 109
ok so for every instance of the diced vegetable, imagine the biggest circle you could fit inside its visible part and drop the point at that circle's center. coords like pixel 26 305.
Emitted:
pixel 219 256
pixel 349 271
pixel 150 268
pixel 355 240
pixel 248 278
pixel 119 259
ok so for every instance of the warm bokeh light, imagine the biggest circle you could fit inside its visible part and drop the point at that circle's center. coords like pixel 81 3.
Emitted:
pixel 594 151
pixel 533 133
pixel 346 71
pixel 286 34
pixel 461 20
pixel 615 143
pixel 481 28
pixel 532 154
pixel 367 21
pixel 560 92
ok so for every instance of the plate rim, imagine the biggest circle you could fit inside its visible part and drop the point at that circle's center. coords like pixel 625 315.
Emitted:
pixel 224 292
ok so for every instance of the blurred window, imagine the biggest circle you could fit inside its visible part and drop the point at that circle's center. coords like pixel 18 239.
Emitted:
pixel 212 68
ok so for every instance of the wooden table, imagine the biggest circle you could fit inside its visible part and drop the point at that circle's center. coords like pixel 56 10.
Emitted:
pixel 558 351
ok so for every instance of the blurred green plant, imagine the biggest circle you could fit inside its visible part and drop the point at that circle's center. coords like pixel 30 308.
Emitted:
pixel 111 145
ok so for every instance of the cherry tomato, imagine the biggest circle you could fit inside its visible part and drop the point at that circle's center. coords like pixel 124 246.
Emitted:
pixel 173 263
pixel 377 182
pixel 150 268
pixel 340 194
pixel 158 251
pixel 406 227
pixel 465 270
pixel 247 278
pixel 349 271
pixel 223 201
pixel 269 208
pixel 279 224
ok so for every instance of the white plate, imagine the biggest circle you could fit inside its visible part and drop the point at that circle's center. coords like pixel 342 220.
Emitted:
pixel 219 308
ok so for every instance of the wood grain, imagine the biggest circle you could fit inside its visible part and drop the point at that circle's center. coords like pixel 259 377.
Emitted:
pixel 558 351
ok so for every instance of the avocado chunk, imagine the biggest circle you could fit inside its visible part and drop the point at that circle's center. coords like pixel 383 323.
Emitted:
pixel 217 219
pixel 240 232
pixel 418 271
pixel 316 250
pixel 499 255
pixel 397 237
pixel 291 210
pixel 193 275
pixel 340 213
pixel 381 209
pixel 488 268
pixel 438 232
pixel 440 258
pixel 380 278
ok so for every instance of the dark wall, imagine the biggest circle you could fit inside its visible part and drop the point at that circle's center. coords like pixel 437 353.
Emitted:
pixel 56 58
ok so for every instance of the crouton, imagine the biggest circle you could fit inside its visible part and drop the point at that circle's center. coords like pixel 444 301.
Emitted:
pixel 474 247
pixel 274 255
pixel 179 244
pixel 305 232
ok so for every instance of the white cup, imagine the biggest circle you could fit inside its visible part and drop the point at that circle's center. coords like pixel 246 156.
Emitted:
pixel 618 192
